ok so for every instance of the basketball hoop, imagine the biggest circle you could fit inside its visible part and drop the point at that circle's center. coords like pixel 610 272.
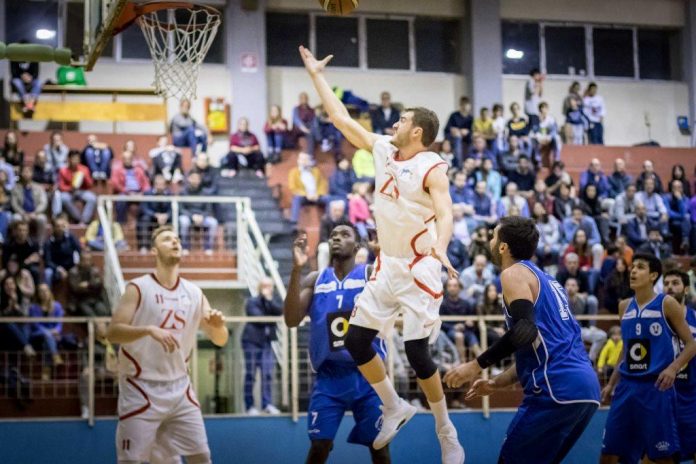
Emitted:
pixel 179 35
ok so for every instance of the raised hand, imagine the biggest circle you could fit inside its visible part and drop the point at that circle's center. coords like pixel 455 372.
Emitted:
pixel 299 250
pixel 215 319
pixel 313 65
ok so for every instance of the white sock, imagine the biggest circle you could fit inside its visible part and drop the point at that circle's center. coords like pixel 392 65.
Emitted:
pixel 385 391
pixel 439 410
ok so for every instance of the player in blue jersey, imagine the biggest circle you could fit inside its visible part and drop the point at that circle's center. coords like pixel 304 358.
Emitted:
pixel 642 419
pixel 561 390
pixel 328 298
pixel 676 284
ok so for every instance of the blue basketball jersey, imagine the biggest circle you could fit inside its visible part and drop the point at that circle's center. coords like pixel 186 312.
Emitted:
pixel 687 376
pixel 332 304
pixel 556 365
pixel 649 343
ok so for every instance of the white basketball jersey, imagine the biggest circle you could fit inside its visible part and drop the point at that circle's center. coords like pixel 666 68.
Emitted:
pixel 178 310
pixel 404 210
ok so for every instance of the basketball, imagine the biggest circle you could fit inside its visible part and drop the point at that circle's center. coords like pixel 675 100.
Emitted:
pixel 338 7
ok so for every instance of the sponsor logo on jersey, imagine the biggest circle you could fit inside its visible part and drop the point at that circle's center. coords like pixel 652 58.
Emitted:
pixel 638 355
pixel 655 329
pixel 337 323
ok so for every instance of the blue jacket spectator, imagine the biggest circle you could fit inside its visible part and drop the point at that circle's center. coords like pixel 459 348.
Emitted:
pixel 595 176
pixel 480 152
pixel 619 180
pixel 457 254
pixel 639 227
pixel 579 220
pixel 458 128
pixel 484 205
pixel 677 204
pixel 97 156
pixel 492 178
pixel 342 180
pixel 512 198
pixel 61 252
pixel 461 188
pixel 384 117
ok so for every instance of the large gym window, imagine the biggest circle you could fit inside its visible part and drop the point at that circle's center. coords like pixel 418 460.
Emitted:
pixel 659 54
pixel 388 44
pixel 613 52
pixel 437 45
pixel 133 44
pixel 216 52
pixel 33 22
pixel 520 47
pixel 338 36
pixel 283 33
pixel 565 50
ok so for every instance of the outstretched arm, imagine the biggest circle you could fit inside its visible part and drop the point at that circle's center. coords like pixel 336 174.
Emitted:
pixel 354 132
pixel 485 387
pixel 438 187
pixel 300 291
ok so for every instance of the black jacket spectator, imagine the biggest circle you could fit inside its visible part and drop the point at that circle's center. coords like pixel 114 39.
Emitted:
pixel 168 163
pixel 563 207
pixel 637 230
pixel 455 307
pixel 618 181
pixel 617 288
pixel 385 116
pixel 261 333
pixel 581 276
pixel 61 251
pixel 640 181
pixel 209 179
pixel 342 180
pixel 658 248
pixel 202 208
pixel 17 68
pixel 456 252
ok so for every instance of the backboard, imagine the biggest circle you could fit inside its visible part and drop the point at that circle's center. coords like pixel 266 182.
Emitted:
pixel 101 17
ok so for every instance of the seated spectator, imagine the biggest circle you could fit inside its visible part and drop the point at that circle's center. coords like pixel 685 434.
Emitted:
pixel 541 195
pixel 580 247
pixel 651 199
pixel 447 153
pixel 94 236
pixel 25 81
pixel 492 178
pixel 463 334
pixel 61 252
pixel 335 216
pixel 23 249
pixel 524 177
pixel 462 188
pixel 302 122
pixel 87 288
pixel 490 305
pixel 364 165
pixel 611 353
pixel 656 245
pixel 56 152
pixel 595 176
pixel 276 128
pixel 512 197
pixel 385 116
pixel 307 185
pixel 341 181
pixel 199 215
pixel 648 172
pixel 245 151
pixel 579 305
pixel 579 220
pixel 519 127
pixel 42 173
pixel 558 176
pixel 24 282
pixel 617 286
pixel 209 174
pixel 11 152
pixel 483 126
pixel 8 172
pixel 458 128
pixel 127 178
pixel 593 206
pixel 549 229
pixel 258 352
pixel 585 279
pixel 545 135
pixel 576 122
pixel 5 211
pixel 460 226
pixel 359 209
pixel 480 243
pixel 678 173
pixel 30 202
pixel 509 159
pixel 457 254
pixel 186 131
pixel 74 183
pixel 324 131
pixel 14 336
pixel 166 161
pixel 677 205
pixel 475 278
pixel 479 151
pixel 625 251
pixel 499 128
pixel 153 214
pixel 97 156
pixel 692 213
pixel 47 335
pixel 484 206
pixel 625 206
pixel 619 179
pixel 638 227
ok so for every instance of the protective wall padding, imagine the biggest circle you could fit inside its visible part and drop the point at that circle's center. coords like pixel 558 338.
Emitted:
pixel 34 52
pixel 3 47
pixel 62 56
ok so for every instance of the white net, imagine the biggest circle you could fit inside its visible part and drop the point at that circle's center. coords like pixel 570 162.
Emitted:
pixel 179 39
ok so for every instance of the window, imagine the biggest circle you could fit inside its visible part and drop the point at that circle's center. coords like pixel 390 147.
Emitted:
pixel 658 54
pixel 613 52
pixel 437 45
pixel 334 34
pixel 74 31
pixel 388 44
pixel 520 47
pixel 34 22
pixel 133 44
pixel 283 33
pixel 565 50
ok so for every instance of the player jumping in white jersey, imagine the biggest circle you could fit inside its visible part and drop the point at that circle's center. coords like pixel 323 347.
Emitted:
pixel 156 323
pixel 413 211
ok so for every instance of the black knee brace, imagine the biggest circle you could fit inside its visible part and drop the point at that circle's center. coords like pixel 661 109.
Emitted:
pixel 358 342
pixel 418 355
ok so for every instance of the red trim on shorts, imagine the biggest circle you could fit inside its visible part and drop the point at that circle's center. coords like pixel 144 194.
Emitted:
pixel 413 241
pixel 139 410
pixel 386 184
pixel 130 357
pixel 140 294
pixel 427 289
pixel 178 279
pixel 190 397
pixel 425 177
pixel 378 264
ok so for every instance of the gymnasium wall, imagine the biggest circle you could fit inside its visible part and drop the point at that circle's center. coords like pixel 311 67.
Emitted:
pixel 445 8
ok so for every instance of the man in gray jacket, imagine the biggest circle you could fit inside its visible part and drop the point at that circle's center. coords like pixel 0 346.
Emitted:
pixel 29 201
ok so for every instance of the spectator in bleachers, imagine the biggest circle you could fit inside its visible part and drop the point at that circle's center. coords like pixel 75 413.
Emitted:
pixel 199 215
pixel 579 246
pixel 324 130
pixel 335 216
pixel 545 135
pixel 638 227
pixel 579 305
pixel 576 123
pixel 593 107
pixel 593 207
pixel 97 156
pixel 56 152
pixel 209 174
pixel 573 94
pixel 532 96
pixel 654 205
pixel 648 172
pixel 127 178
pixel 458 128
pixel 307 185
pixel 499 128
pixel 25 81
pixel 359 209
pixel 677 205
pixel 61 252
pixel 447 154
pixel 23 249
pixel 509 159
pixel 579 220
pixel 244 151
pixel 541 195
pixel 14 336
pixel 595 176
pixel 483 125
pixel 524 177
pixel 30 202
pixel 492 178
pixel 558 176
pixel 489 305
pixel 302 122
pixel 463 334
pixel 364 165
pixel 11 152
pixel 564 203
pixel 276 129
pixel 341 181
pixel 475 278
pixel 153 213
pixel 460 225
pixel 457 254
pixel 678 173
pixel 42 173
pixel 480 243
pixel 586 282
pixel 74 183
pixel 258 353
pixel 692 236
pixel 186 131
pixel 385 116
pixel 9 176
pixel 166 161
pixel 519 126
pixel 484 206
pixel 512 197
pixel 23 280
pixel 87 288
pixel 611 353
pixel 619 179
pixel 94 236
pixel 461 188
pixel 655 245
pixel 617 286
pixel 549 229
pixel 5 212
pixel 47 334
pixel 625 206
pixel 479 151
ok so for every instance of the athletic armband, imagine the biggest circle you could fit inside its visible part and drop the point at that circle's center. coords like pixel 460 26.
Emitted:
pixel 523 332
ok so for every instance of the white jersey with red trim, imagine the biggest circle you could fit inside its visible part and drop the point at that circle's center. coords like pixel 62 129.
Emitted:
pixel 178 310
pixel 404 210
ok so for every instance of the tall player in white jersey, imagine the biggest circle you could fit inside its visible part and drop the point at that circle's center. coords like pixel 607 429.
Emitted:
pixel 413 211
pixel 156 323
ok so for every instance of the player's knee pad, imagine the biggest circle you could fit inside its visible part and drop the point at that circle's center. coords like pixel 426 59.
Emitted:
pixel 202 458
pixel 419 357
pixel 358 342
